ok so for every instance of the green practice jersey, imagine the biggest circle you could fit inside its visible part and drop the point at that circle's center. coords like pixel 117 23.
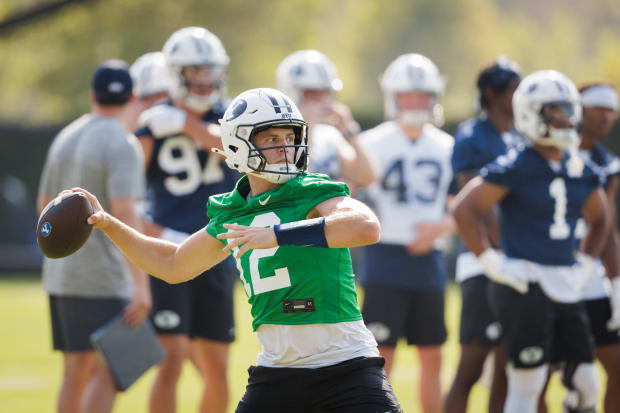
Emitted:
pixel 289 284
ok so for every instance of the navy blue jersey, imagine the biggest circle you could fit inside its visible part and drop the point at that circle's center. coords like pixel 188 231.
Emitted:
pixel 181 177
pixel 606 164
pixel 478 142
pixel 602 161
pixel 539 214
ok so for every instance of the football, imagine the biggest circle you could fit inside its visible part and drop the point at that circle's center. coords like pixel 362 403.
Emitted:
pixel 62 227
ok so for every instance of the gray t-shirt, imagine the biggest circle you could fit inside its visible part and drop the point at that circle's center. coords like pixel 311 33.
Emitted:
pixel 101 156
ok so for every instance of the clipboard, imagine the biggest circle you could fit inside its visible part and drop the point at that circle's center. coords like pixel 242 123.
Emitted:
pixel 129 352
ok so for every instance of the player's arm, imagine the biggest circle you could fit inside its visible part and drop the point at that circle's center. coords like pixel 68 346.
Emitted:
pixel 206 135
pixel 147 143
pixel 170 262
pixel 490 219
pixel 338 222
pixel 597 217
pixel 356 164
pixel 611 249
pixel 428 232
pixel 166 120
pixel 348 222
pixel 611 255
pixel 471 206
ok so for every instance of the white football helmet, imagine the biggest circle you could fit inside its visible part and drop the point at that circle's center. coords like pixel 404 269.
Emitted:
pixel 544 96
pixel 412 72
pixel 150 75
pixel 307 70
pixel 196 46
pixel 251 112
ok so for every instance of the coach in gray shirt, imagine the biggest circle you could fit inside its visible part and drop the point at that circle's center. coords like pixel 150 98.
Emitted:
pixel 95 284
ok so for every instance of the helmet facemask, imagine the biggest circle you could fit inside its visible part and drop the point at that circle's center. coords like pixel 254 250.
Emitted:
pixel 257 161
pixel 211 77
pixel 558 124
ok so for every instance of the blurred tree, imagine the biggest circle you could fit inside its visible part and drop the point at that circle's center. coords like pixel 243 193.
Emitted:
pixel 45 73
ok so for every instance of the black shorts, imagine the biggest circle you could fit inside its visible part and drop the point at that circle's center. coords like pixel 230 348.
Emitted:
pixel 74 319
pixel 599 312
pixel 539 331
pixel 359 385
pixel 201 307
pixel 477 320
pixel 391 313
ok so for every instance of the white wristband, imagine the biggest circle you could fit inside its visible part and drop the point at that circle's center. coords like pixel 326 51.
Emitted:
pixel 490 260
pixel 174 236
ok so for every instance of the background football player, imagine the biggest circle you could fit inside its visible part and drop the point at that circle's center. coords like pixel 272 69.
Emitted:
pixel 151 81
pixel 600 111
pixel 541 192
pixel 182 173
pixel 312 81
pixel 478 141
pixel 405 273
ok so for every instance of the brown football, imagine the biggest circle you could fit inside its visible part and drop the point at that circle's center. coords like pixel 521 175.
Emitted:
pixel 62 227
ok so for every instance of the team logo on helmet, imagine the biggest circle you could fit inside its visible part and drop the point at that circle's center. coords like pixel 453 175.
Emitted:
pixel 237 110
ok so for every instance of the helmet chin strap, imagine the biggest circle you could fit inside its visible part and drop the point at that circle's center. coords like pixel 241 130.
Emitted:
pixel 279 173
pixel 562 138
pixel 201 103
pixel 566 139
pixel 414 117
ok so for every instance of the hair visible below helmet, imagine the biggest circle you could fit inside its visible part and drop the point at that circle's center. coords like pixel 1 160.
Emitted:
pixel 150 75
pixel 412 72
pixel 251 112
pixel 196 46
pixel 498 77
pixel 306 70
pixel 537 95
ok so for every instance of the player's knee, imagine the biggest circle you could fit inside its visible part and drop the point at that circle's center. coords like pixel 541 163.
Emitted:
pixel 527 383
pixel 174 359
pixel 583 386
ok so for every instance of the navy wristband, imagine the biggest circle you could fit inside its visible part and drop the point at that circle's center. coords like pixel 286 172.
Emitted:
pixel 308 233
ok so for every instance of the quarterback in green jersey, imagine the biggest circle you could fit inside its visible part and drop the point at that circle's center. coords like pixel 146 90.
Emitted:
pixel 289 233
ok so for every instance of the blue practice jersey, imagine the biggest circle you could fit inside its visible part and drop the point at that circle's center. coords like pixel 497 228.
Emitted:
pixel 478 142
pixel 602 161
pixel 181 177
pixel 539 214
pixel 606 165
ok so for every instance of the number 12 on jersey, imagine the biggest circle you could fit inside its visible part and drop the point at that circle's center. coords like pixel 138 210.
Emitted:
pixel 280 278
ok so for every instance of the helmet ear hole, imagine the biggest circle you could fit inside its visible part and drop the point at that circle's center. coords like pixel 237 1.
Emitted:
pixel 233 148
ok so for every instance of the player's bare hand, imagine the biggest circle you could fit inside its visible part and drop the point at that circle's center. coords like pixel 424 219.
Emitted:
pixel 340 116
pixel 99 219
pixel 140 306
pixel 248 238
pixel 424 241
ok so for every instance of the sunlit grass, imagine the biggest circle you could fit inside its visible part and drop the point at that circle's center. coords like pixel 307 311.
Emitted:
pixel 30 371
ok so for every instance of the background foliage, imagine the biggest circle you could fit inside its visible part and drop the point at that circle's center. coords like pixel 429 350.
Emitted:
pixel 45 73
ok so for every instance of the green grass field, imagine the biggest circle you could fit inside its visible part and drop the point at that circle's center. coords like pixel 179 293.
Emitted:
pixel 30 371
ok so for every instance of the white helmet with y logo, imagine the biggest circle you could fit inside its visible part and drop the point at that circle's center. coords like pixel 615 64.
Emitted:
pixel 251 112
pixel 412 72
pixel 541 98
pixel 150 75
pixel 196 47
pixel 307 70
